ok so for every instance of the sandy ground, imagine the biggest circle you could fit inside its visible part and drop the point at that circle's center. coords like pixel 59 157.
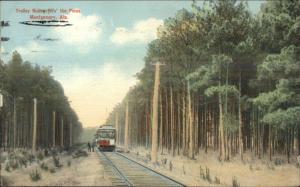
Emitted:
pixel 248 173
pixel 84 171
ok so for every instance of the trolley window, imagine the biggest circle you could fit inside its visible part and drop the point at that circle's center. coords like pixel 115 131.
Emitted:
pixel 107 134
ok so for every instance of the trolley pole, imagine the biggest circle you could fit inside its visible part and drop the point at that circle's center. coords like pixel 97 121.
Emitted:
pixel 34 125
pixel 154 145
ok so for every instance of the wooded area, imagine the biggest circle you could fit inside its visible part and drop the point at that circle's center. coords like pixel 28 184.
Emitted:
pixel 35 113
pixel 230 83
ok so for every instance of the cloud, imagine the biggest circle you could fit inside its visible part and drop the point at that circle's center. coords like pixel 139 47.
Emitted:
pixel 94 92
pixel 2 50
pixel 85 31
pixel 31 48
pixel 142 32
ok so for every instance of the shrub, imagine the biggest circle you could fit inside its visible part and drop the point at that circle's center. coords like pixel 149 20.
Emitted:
pixel 31 158
pixel 207 175
pixel 251 167
pixel 235 182
pixel 2 158
pixel 53 152
pixel 56 162
pixel 13 163
pixel 148 156
pixel 163 161
pixel 40 155
pixel 35 175
pixel 80 153
pixel 69 163
pixel 46 152
pixel 52 170
pixel 171 166
pixel 23 161
pixel 7 168
pixel 217 180
pixel 278 161
pixel 270 166
pixel 202 175
pixel 44 166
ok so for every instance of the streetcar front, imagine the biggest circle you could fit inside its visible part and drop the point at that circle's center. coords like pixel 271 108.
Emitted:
pixel 107 138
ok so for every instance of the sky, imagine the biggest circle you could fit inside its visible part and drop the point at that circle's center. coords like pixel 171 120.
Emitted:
pixel 97 57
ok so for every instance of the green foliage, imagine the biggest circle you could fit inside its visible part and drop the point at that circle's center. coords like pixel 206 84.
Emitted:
pixel 279 66
pixel 213 90
pixel 21 79
pixel 231 124
pixel 220 48
pixel 281 103
pixel 283 118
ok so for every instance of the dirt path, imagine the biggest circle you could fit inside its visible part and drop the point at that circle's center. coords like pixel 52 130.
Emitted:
pixel 84 171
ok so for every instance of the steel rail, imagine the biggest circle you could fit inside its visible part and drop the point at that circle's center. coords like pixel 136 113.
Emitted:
pixel 179 184
pixel 136 174
pixel 120 174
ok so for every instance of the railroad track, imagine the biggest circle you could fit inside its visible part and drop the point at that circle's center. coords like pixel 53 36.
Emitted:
pixel 126 172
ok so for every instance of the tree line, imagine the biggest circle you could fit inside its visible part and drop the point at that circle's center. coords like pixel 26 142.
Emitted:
pixel 230 83
pixel 35 112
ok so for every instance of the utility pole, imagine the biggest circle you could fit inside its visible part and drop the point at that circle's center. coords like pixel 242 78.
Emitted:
pixel 1 105
pixel 117 128
pixel 126 127
pixel 154 145
pixel 71 134
pixel 62 132
pixel 15 122
pixel 191 123
pixel 34 124
pixel 53 127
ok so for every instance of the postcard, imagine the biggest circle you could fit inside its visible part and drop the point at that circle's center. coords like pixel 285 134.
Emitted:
pixel 150 93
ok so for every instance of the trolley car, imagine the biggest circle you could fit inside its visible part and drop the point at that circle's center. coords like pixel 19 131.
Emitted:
pixel 106 138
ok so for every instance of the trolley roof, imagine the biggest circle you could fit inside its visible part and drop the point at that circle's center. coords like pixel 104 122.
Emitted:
pixel 107 127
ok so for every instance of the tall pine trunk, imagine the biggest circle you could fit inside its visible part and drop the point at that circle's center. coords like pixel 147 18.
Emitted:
pixel 191 124
pixel 221 125
pixel 172 122
pixel 241 146
pixel 126 142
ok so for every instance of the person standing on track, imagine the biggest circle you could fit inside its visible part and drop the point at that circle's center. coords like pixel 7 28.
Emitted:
pixel 89 146
pixel 93 146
